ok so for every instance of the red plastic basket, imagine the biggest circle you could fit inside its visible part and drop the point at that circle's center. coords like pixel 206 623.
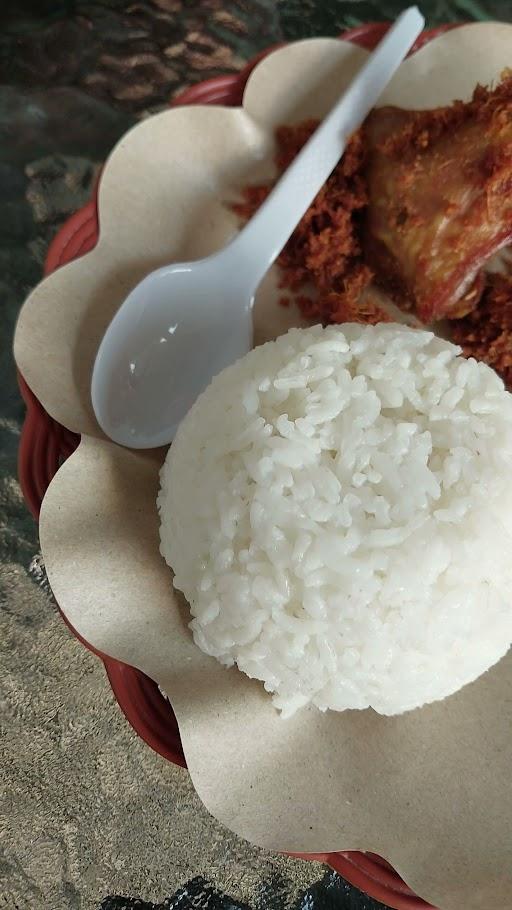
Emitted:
pixel 45 444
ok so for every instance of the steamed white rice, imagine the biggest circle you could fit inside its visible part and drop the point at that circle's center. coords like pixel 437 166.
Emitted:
pixel 336 508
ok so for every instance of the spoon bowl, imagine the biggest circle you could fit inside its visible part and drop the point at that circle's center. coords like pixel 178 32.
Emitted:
pixel 176 330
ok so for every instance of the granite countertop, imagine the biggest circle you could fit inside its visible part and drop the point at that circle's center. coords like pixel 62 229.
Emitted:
pixel 87 810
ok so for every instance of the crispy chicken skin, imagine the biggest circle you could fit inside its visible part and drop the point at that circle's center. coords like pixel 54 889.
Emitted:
pixel 440 199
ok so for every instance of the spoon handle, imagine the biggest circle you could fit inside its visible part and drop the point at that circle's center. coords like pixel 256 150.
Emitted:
pixel 263 238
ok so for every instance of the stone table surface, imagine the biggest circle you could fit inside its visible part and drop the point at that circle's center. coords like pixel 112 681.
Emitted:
pixel 87 811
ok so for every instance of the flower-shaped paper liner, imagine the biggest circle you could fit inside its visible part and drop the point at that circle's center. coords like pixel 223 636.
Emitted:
pixel 429 790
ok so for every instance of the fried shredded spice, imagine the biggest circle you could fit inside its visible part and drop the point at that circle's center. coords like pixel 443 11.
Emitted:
pixel 486 333
pixel 324 253
pixel 423 128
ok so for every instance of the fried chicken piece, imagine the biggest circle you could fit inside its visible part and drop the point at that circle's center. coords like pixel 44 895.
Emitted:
pixel 440 199
pixel 486 333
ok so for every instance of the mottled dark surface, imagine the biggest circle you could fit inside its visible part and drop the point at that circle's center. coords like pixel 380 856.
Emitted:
pixel 87 810
pixel 305 18
pixel 329 893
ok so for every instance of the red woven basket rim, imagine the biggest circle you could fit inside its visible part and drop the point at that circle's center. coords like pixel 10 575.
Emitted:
pixel 45 444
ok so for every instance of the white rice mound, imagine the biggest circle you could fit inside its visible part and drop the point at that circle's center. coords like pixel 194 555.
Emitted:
pixel 337 510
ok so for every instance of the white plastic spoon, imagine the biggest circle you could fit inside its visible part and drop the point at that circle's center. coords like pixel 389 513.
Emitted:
pixel 184 323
